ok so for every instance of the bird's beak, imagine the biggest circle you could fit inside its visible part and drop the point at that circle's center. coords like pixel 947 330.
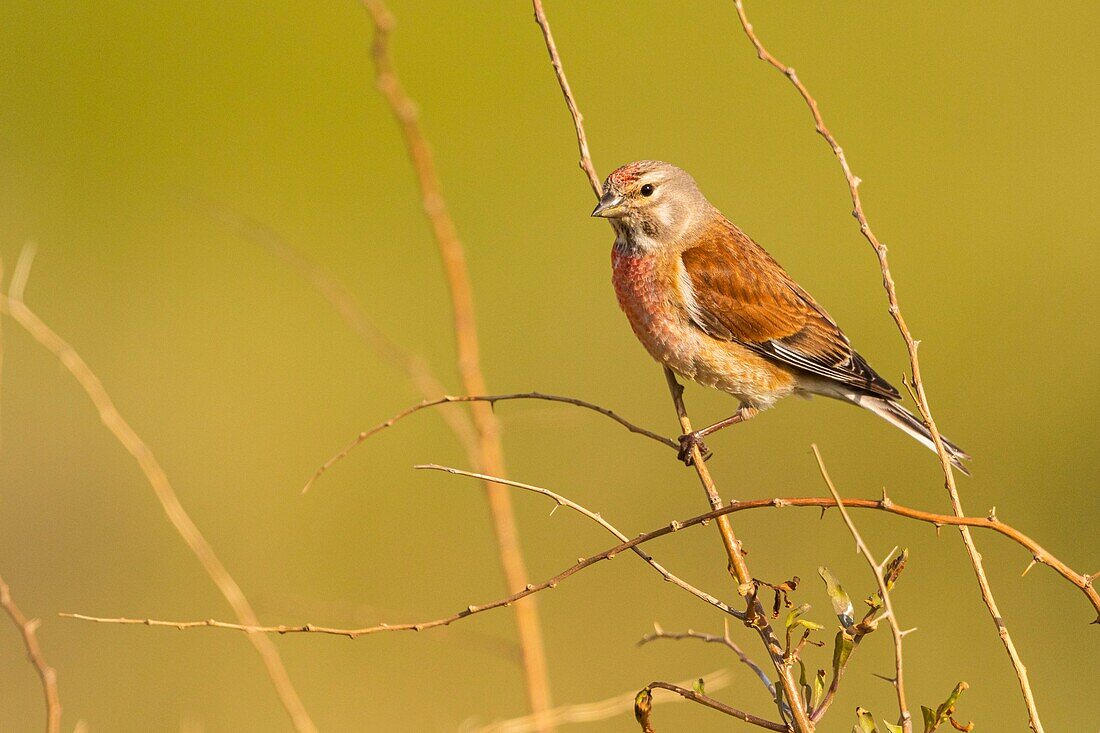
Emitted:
pixel 609 207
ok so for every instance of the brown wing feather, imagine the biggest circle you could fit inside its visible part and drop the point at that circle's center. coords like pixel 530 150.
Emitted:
pixel 742 294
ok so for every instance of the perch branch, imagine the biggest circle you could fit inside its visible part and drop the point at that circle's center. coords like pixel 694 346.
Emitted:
pixel 709 702
pixel 725 640
pixel 738 566
pixel 490 449
pixel 27 628
pixel 921 398
pixel 166 495
pixel 560 500
pixel 904 718
pixel 491 400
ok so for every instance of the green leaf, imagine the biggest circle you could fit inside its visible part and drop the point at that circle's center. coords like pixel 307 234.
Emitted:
pixel 933 719
pixel 865 721
pixel 794 613
pixel 842 604
pixel 699 686
pixel 819 689
pixel 948 705
pixel 891 728
pixel 842 649
pixel 811 625
pixel 807 692
pixel 930 723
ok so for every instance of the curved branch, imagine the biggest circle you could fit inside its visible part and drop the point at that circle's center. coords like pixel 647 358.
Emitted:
pixel 492 400
pixel 452 254
pixel 188 531
pixel 46 674
pixel 598 518
pixel 570 101
pixel 737 565
pixel 725 640
pixel 591 712
pixel 911 344
pixel 885 505
pixel 905 718
pixel 709 702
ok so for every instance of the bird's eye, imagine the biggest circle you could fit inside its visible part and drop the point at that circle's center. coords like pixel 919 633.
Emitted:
pixel 647 189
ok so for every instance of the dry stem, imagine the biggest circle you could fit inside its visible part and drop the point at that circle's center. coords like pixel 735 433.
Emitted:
pixel 725 640
pixel 560 500
pixel 490 400
pixel 821 502
pixel 591 712
pixel 490 450
pixel 737 563
pixel 27 628
pixel 709 702
pixel 904 718
pixel 163 490
pixel 921 398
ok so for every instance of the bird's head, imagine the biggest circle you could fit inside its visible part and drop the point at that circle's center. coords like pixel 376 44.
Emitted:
pixel 651 202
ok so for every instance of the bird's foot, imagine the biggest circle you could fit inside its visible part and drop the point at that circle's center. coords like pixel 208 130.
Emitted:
pixel 689 441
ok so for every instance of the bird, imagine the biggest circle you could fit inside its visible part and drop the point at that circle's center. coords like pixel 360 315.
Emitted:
pixel 712 305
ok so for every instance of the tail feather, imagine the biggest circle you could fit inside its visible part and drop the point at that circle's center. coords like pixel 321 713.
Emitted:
pixel 897 415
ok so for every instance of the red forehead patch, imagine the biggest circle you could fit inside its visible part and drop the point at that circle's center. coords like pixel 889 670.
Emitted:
pixel 629 173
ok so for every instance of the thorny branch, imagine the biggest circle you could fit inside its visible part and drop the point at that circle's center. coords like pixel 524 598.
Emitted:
pixel 725 640
pixel 162 488
pixel 560 500
pixel 643 704
pixel 904 718
pixel 27 628
pixel 490 449
pixel 591 712
pixel 820 502
pixel 919 394
pixel 737 565
pixel 490 400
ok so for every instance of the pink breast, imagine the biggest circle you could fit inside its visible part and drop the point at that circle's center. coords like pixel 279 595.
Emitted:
pixel 643 296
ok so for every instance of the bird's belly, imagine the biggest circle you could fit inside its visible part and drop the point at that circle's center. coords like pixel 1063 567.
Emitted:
pixel 661 323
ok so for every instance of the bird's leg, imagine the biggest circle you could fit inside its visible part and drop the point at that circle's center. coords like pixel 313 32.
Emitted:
pixel 695 438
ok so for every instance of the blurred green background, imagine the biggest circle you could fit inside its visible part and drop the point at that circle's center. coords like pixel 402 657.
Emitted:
pixel 972 125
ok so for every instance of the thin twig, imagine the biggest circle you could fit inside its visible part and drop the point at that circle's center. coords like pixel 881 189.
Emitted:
pixel 166 495
pixel 737 564
pixel 46 674
pixel 598 518
pixel 819 502
pixel 725 640
pixel 570 100
pixel 904 718
pixel 490 400
pixel 911 344
pixel 591 712
pixel 713 704
pixel 491 452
